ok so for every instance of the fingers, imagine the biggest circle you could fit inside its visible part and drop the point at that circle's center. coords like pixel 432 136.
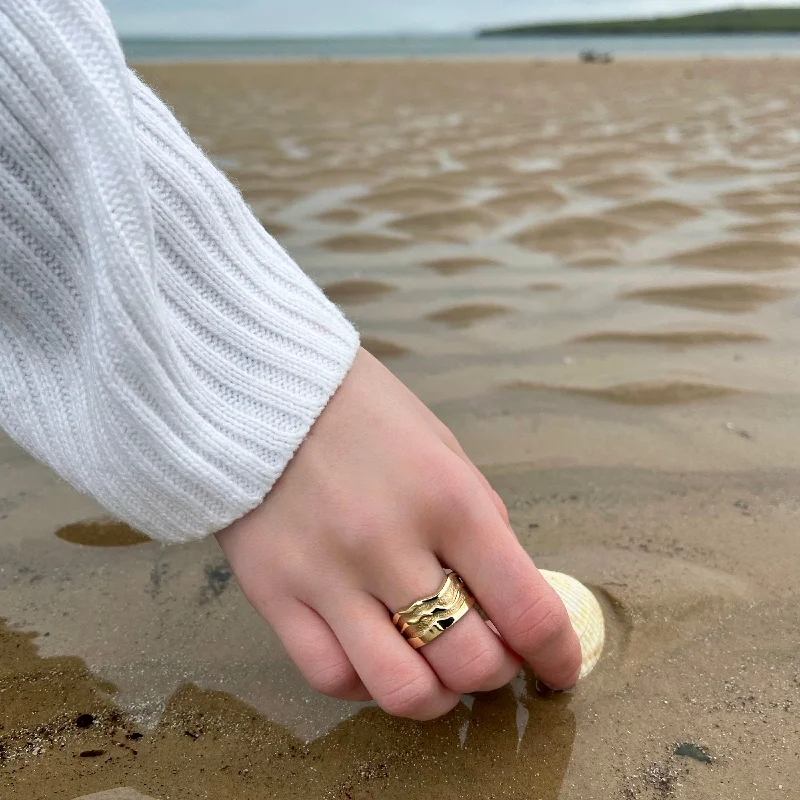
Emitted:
pixel 527 612
pixel 446 435
pixel 316 651
pixel 453 445
pixel 469 657
pixel 399 679
pixel 497 501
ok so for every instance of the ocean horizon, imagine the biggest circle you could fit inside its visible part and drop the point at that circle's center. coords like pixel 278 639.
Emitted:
pixel 461 46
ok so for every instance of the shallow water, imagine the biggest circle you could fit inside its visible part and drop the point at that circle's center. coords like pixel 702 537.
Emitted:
pixel 461 47
pixel 590 273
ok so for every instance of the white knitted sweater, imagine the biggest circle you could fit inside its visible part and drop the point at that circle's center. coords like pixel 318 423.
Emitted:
pixel 158 349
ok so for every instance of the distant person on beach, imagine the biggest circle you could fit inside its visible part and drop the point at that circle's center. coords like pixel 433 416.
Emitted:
pixel 161 353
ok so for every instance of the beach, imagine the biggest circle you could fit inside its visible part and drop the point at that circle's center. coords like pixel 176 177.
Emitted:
pixel 590 273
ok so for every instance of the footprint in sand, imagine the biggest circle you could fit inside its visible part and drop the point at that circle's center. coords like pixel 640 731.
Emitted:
pixel 742 256
pixel 382 349
pixel 465 315
pixel 455 266
pixel 731 298
pixel 646 393
pixel 452 225
pixel 101 533
pixel 672 339
pixel 575 235
pixel 355 292
pixel 363 243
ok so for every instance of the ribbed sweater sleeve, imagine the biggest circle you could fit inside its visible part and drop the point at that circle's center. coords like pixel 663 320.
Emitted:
pixel 158 349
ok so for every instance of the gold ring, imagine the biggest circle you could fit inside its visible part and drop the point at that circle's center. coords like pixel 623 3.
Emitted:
pixel 430 617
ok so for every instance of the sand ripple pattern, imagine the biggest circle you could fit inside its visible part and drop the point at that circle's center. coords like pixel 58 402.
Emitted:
pixel 590 273
pixel 586 217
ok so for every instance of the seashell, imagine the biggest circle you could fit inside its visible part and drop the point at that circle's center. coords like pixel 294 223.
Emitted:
pixel 585 615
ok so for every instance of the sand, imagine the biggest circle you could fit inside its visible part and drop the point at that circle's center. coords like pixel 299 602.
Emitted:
pixel 363 243
pixel 731 298
pixel 590 273
pixel 382 349
pixel 465 315
pixel 697 338
pixel 646 393
pixel 356 291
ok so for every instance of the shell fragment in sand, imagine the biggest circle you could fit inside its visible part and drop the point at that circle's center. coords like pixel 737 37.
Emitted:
pixel 585 615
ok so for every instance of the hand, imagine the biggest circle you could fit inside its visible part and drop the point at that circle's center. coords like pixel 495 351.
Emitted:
pixel 377 499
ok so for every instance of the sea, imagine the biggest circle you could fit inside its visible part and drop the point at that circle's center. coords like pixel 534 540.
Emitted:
pixel 405 47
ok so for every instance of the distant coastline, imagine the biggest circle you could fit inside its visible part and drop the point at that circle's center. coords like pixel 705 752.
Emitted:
pixel 467 46
pixel 732 22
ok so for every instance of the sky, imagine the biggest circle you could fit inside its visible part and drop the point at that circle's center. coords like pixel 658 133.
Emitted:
pixel 342 17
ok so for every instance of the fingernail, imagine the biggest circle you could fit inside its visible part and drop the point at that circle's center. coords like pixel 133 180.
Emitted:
pixel 543 688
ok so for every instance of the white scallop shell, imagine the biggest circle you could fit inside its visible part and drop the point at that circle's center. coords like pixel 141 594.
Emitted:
pixel 585 615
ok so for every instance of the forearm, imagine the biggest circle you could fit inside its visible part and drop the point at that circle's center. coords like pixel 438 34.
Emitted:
pixel 157 348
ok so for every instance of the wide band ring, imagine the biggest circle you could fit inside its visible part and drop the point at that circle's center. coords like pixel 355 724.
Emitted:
pixel 430 617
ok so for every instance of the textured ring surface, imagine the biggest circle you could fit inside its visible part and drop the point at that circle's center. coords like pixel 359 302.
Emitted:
pixel 430 617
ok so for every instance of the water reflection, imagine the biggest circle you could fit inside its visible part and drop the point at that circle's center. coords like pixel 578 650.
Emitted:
pixel 62 730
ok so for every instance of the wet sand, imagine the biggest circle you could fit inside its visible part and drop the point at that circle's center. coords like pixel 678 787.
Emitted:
pixel 590 273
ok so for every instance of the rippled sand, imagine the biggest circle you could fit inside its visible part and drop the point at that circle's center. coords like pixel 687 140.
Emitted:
pixel 591 274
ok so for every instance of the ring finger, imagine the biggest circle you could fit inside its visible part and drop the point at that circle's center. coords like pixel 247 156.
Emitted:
pixel 399 679
pixel 469 656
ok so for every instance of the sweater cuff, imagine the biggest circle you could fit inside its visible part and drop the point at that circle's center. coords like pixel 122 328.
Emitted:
pixel 247 351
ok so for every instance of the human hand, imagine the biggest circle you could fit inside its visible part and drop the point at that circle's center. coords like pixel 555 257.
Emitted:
pixel 375 502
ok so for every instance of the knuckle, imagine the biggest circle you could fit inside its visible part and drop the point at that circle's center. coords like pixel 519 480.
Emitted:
pixel 410 697
pixel 364 531
pixel 335 679
pixel 539 623
pixel 501 506
pixel 480 668
pixel 449 438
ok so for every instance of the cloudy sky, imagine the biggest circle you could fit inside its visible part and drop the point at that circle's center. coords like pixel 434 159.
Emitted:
pixel 313 17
